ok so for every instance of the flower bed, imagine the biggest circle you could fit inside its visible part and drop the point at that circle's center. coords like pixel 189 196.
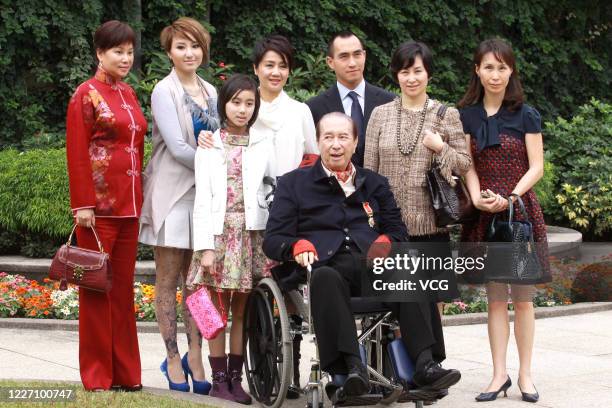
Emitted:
pixel 21 297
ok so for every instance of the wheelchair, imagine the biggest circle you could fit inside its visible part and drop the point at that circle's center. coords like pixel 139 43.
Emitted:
pixel 269 356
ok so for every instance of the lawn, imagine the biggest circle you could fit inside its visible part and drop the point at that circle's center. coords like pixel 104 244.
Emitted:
pixel 108 399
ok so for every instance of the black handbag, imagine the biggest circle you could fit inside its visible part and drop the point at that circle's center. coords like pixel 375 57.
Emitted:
pixel 512 253
pixel 451 204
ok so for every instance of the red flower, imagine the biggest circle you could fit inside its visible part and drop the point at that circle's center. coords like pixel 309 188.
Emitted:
pixel 221 64
pixel 222 77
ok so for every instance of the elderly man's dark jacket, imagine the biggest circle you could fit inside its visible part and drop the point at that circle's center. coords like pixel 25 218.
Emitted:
pixel 310 205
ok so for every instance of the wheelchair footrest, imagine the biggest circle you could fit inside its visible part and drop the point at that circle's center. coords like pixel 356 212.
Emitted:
pixel 419 394
pixel 341 400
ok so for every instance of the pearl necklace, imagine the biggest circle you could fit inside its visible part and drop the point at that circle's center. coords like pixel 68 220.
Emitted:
pixel 406 150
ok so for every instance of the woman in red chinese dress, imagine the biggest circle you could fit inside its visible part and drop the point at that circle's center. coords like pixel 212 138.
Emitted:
pixel 105 130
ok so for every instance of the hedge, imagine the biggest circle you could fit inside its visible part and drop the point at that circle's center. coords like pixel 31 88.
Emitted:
pixel 35 216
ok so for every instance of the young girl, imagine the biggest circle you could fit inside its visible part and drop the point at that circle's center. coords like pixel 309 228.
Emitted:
pixel 506 144
pixel 229 216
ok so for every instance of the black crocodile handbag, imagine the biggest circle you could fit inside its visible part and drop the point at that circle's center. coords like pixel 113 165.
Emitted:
pixel 512 253
pixel 451 204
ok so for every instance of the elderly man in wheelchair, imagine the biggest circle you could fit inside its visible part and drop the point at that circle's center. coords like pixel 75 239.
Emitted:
pixel 326 218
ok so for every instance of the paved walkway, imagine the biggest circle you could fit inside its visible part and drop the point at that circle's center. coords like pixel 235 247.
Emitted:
pixel 572 361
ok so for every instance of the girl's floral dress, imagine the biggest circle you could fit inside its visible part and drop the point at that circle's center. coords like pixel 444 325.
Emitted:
pixel 239 259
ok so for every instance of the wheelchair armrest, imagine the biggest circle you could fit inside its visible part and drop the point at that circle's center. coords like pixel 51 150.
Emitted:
pixel 367 305
pixel 289 275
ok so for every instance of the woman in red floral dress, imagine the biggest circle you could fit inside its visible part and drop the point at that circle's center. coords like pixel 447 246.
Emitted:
pixel 506 144
pixel 105 130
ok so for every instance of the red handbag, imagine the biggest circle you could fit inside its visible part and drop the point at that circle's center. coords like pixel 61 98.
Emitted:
pixel 85 268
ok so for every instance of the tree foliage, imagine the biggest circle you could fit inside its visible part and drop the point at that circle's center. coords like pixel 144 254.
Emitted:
pixel 45 51
pixel 563 46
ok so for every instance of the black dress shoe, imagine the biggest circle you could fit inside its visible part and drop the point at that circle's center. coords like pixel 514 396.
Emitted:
pixel 436 377
pixel 442 393
pixel 357 382
pixel 330 389
pixel 293 392
pixel 491 396
pixel 529 397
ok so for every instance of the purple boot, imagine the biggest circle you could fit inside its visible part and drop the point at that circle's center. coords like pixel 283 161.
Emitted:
pixel 220 385
pixel 235 373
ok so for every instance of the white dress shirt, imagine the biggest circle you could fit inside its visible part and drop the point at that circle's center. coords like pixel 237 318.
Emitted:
pixel 348 186
pixel 347 102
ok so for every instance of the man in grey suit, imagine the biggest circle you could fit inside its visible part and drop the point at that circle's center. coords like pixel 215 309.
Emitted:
pixel 351 94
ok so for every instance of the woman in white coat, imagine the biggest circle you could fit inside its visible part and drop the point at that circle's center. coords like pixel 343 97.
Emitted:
pixel 286 121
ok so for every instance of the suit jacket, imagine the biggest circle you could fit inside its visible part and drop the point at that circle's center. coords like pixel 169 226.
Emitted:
pixel 329 101
pixel 310 205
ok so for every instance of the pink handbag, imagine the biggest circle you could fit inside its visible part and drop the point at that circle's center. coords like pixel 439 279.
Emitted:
pixel 208 319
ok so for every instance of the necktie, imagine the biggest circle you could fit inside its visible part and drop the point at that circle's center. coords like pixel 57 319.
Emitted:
pixel 357 116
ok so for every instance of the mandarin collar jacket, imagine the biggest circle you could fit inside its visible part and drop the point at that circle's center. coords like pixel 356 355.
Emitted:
pixel 105 130
pixel 310 205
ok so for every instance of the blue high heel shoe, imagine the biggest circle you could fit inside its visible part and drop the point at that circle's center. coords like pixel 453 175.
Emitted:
pixel 183 387
pixel 199 387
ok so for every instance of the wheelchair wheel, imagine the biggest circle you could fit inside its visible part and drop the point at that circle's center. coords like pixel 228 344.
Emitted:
pixel 268 344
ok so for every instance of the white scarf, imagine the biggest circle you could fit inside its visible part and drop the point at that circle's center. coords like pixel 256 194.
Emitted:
pixel 273 114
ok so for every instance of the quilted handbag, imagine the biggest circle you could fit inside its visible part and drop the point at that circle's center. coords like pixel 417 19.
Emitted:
pixel 512 250
pixel 208 319
pixel 83 267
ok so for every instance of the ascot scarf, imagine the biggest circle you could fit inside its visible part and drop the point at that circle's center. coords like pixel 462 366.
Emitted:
pixel 273 114
pixel 343 176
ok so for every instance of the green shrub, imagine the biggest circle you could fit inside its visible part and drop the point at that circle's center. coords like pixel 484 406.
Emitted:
pixel 35 216
pixel 34 192
pixel 10 242
pixel 546 193
pixel 581 152
pixel 593 283
pixel 314 75
pixel 145 252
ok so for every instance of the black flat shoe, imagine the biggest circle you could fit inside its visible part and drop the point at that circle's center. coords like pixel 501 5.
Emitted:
pixel 529 397
pixel 492 396
pixel 435 377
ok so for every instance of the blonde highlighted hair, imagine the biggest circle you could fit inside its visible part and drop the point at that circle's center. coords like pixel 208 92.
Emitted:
pixel 189 28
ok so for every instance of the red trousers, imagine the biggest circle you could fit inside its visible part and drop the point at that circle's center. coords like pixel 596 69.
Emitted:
pixel 108 342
